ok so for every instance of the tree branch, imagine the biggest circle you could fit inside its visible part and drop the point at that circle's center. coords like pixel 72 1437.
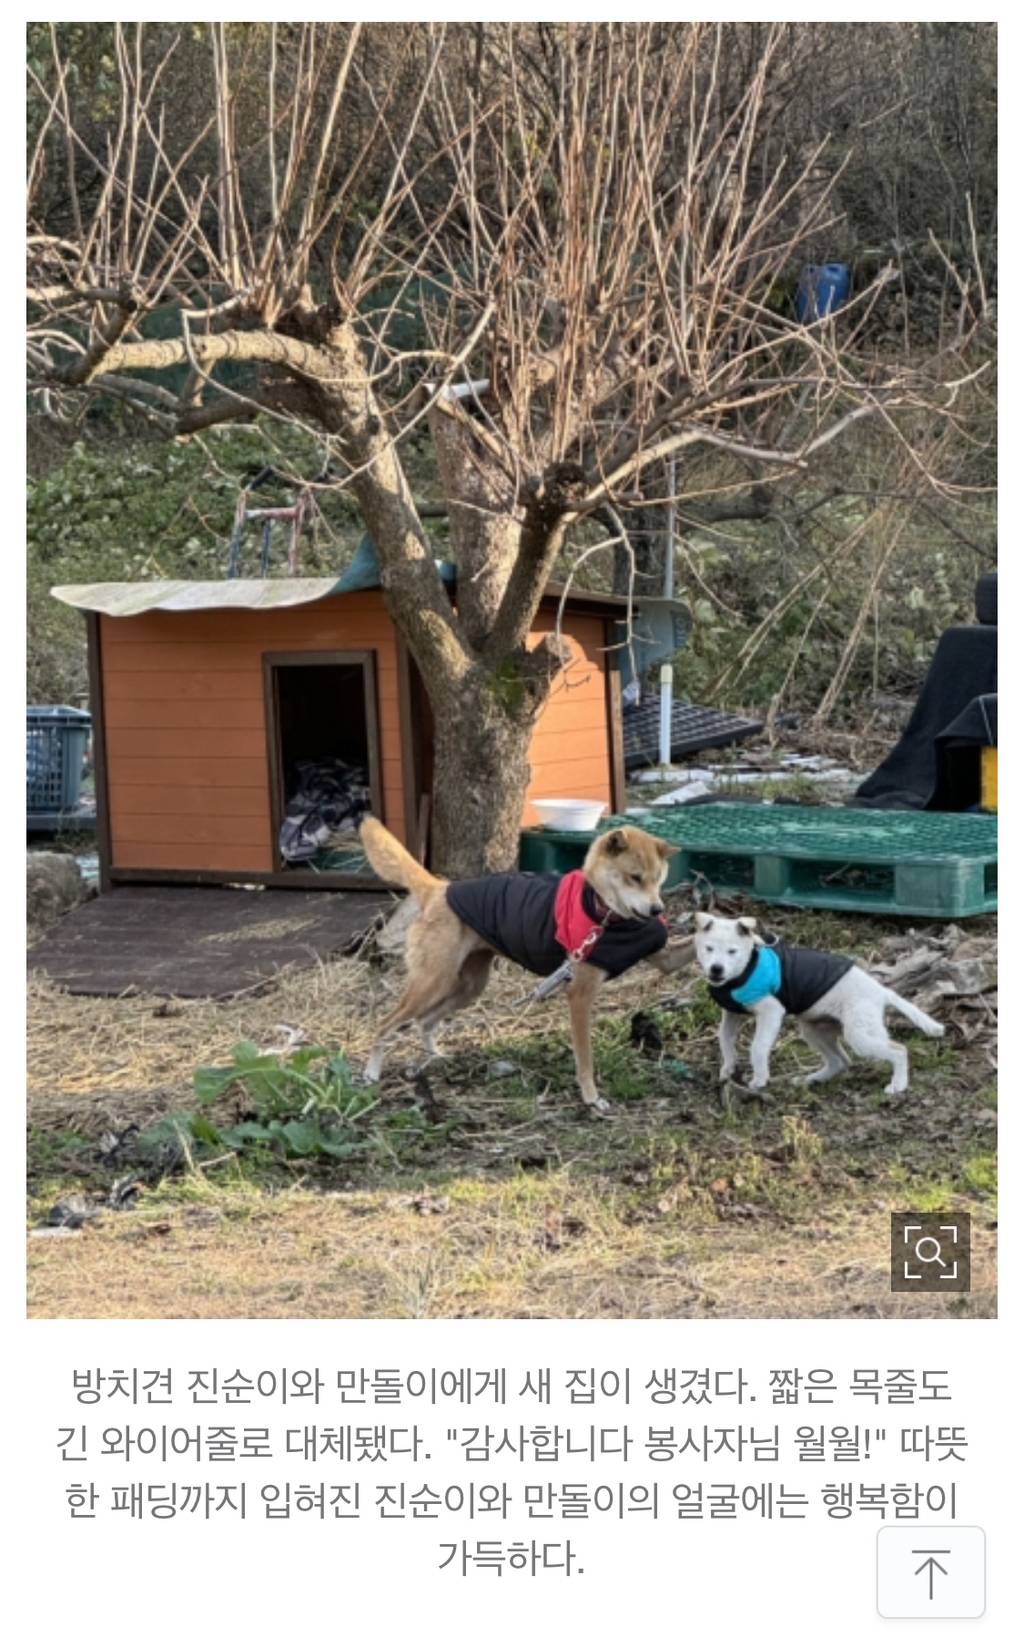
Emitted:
pixel 108 354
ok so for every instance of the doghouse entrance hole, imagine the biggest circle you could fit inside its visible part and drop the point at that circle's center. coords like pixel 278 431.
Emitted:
pixel 325 746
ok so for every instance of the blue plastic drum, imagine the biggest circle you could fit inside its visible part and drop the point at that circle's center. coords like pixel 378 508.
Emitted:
pixel 822 290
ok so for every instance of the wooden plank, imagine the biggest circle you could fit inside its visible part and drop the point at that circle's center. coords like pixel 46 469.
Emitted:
pixel 571 788
pixel 390 722
pixel 191 829
pixel 228 800
pixel 585 633
pixel 572 623
pixel 582 686
pixel 585 780
pixel 587 716
pixel 389 689
pixel 293 635
pixel 616 746
pixel 213 713
pixel 170 658
pixel 584 656
pixel 587 695
pixel 200 745
pixel 295 880
pixel 556 749
pixel 176 658
pixel 579 769
pixel 168 687
pixel 235 859
pixel 101 775
pixel 210 713
pixel 279 633
pixel 238 772
pixel 582 682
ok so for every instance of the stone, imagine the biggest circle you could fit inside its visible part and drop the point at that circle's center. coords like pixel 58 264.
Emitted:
pixel 54 885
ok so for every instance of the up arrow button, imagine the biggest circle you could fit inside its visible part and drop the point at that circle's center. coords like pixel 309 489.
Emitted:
pixel 929 1565
pixel 931 1573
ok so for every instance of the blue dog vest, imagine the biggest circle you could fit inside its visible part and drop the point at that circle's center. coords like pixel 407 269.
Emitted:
pixel 797 978
pixel 765 979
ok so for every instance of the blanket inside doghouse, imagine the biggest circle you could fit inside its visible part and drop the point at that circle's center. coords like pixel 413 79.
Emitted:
pixel 330 798
pixel 947 713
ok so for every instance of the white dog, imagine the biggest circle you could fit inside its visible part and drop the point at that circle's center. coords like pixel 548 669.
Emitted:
pixel 834 1002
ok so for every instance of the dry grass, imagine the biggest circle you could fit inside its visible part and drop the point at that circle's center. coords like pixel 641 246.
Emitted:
pixel 77 1043
pixel 529 1247
pixel 518 1205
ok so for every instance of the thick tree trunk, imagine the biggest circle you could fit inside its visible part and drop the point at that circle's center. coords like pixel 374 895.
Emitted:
pixel 484 532
pixel 482 733
pixel 481 774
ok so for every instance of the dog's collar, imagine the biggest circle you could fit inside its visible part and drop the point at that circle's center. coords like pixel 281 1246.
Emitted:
pixel 604 911
pixel 761 977
pixel 748 970
pixel 607 916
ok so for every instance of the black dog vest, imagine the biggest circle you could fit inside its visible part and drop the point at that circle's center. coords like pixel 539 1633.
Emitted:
pixel 515 914
pixel 797 978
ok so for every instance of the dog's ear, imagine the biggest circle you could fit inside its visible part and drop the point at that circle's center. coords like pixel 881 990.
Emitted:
pixel 615 842
pixel 703 922
pixel 666 849
pixel 747 925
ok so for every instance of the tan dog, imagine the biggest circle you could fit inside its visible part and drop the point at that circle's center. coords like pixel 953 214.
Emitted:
pixel 609 915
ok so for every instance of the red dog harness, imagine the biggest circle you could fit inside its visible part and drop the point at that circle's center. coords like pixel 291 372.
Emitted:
pixel 574 928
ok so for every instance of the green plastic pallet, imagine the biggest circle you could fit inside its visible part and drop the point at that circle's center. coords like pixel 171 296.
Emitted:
pixel 939 864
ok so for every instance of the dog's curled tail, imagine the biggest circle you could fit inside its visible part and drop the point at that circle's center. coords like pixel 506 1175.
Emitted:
pixel 920 1019
pixel 392 862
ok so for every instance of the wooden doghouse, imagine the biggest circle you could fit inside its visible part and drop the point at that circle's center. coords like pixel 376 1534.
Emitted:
pixel 204 696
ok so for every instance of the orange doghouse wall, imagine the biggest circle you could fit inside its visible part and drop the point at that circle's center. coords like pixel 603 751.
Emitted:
pixel 186 737
pixel 570 753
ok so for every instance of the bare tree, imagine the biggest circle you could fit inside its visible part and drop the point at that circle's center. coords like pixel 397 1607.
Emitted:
pixel 593 236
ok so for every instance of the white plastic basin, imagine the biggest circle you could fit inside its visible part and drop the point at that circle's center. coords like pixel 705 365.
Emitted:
pixel 566 813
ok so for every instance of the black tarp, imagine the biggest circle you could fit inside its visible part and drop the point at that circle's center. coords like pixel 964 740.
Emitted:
pixel 928 767
pixel 958 778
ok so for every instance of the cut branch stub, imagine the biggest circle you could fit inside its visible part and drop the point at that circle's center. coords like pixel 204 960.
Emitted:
pixel 560 490
pixel 525 679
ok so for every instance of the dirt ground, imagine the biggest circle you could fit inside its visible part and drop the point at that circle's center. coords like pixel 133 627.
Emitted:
pixel 482 1189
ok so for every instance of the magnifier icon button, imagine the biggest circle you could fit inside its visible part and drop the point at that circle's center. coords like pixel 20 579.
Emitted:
pixel 929 1260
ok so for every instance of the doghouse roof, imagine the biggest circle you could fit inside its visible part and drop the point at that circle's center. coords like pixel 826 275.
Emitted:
pixel 124 598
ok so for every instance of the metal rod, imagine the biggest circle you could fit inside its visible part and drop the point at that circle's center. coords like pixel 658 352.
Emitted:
pixel 668 588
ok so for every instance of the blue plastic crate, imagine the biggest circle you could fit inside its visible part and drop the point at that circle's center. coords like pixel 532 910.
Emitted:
pixel 57 737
